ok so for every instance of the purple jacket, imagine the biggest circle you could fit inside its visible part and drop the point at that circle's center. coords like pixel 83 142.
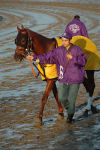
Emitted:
pixel 74 73
pixel 76 27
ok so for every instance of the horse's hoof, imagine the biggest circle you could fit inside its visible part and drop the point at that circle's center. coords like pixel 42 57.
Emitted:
pixel 60 116
pixel 94 109
pixel 38 122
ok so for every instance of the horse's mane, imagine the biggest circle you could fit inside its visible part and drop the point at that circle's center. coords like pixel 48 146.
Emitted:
pixel 38 35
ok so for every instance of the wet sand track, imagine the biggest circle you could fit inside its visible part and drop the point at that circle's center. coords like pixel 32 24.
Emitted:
pixel 21 93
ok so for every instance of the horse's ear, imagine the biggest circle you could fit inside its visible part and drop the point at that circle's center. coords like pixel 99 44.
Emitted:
pixel 18 29
pixel 22 27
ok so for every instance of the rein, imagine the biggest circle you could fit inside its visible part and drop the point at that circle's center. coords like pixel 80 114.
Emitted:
pixel 29 50
pixel 32 63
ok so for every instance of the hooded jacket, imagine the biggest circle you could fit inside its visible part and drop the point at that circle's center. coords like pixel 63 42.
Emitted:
pixel 74 74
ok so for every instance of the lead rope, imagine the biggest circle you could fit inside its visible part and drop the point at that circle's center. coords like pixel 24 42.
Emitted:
pixel 32 63
pixel 32 69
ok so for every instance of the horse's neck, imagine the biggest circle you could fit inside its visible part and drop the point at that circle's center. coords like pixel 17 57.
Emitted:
pixel 41 44
pixel 38 36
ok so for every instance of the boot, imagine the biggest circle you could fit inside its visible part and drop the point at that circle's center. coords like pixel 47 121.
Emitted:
pixel 70 118
pixel 94 109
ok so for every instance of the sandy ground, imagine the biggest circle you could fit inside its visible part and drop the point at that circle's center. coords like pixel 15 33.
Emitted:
pixel 21 93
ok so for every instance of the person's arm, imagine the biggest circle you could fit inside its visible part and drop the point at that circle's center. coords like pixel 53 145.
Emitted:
pixel 80 59
pixel 46 58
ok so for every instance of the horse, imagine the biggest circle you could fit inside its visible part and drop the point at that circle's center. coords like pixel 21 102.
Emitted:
pixel 28 41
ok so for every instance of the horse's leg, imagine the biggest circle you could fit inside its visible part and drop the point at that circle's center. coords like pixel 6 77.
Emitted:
pixel 90 86
pixel 49 86
pixel 55 92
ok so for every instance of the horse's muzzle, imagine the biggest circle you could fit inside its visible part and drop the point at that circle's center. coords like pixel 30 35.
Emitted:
pixel 20 54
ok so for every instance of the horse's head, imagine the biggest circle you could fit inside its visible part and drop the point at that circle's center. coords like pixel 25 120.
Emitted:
pixel 23 43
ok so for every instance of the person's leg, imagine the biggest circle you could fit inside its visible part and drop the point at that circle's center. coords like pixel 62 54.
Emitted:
pixel 73 91
pixel 63 94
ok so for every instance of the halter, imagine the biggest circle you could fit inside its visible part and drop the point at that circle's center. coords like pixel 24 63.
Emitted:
pixel 30 44
pixel 29 51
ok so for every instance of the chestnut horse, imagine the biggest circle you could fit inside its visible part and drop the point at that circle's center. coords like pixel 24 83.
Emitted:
pixel 27 42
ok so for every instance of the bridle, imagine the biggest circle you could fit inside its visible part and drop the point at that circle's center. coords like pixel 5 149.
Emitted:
pixel 29 47
pixel 29 50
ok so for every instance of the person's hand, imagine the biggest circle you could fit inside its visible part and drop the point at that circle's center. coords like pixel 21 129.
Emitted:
pixel 29 57
pixel 69 56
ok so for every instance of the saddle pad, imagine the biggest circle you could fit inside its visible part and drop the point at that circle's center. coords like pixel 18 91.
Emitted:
pixel 50 71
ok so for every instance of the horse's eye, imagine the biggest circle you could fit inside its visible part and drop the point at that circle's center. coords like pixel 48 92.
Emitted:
pixel 23 41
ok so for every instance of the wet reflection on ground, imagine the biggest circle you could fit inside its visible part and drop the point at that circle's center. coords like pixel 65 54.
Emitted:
pixel 21 93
